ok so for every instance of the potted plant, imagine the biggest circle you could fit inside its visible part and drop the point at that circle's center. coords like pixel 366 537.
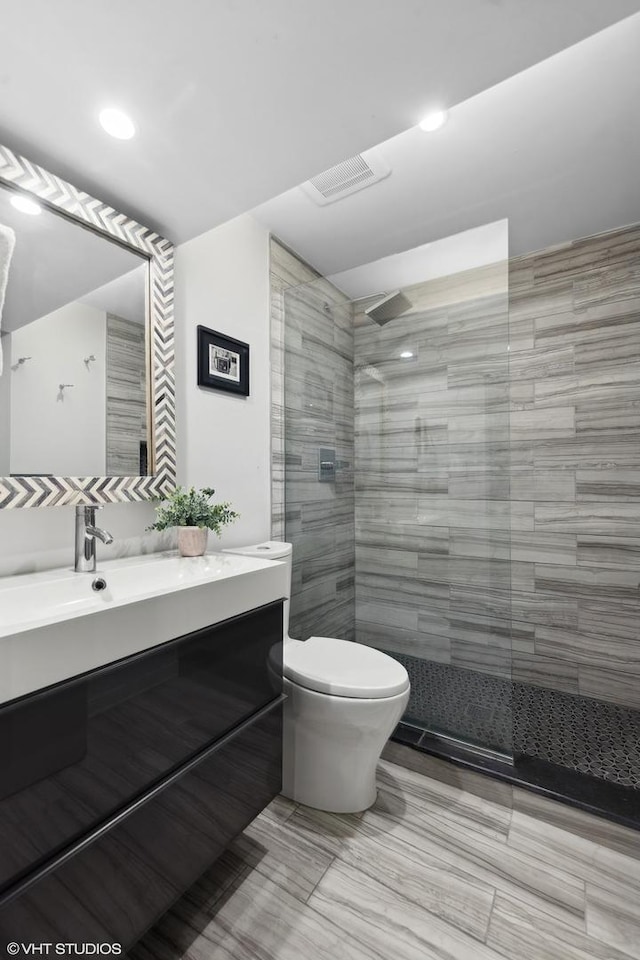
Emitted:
pixel 194 515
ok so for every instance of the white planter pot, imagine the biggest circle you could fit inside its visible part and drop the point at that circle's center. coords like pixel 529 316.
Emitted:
pixel 192 541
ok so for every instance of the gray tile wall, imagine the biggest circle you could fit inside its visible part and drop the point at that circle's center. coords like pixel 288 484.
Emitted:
pixel 498 505
pixel 433 516
pixel 312 337
pixel 286 270
pixel 576 461
pixel 126 401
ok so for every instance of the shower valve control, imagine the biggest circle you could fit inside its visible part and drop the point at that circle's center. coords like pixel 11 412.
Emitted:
pixel 326 465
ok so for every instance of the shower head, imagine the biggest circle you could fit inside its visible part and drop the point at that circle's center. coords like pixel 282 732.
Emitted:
pixel 390 307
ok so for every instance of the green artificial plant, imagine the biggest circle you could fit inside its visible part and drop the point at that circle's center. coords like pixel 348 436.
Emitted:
pixel 191 508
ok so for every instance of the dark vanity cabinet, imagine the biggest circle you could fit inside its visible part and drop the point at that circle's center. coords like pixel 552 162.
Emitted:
pixel 118 788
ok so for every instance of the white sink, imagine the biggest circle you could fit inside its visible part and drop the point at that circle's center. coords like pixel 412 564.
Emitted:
pixel 53 625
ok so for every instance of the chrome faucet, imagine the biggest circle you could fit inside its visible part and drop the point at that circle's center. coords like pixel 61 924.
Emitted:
pixel 86 535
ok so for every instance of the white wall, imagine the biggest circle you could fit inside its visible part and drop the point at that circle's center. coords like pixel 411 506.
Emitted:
pixel 60 433
pixel 39 539
pixel 222 282
pixel 5 405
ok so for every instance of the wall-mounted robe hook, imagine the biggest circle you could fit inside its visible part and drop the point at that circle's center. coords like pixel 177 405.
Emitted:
pixel 19 362
pixel 63 387
pixel 88 360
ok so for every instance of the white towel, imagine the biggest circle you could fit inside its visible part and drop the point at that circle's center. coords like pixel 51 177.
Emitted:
pixel 7 243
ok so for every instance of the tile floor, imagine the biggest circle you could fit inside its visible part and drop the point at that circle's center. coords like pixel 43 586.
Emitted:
pixel 447 864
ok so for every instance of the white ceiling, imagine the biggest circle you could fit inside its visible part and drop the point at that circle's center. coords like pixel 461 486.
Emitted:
pixel 555 149
pixel 238 100
pixel 454 254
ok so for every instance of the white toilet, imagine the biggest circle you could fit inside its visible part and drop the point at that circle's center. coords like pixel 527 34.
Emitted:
pixel 344 700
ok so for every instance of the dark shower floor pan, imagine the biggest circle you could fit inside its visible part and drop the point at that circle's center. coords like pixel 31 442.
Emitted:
pixel 609 800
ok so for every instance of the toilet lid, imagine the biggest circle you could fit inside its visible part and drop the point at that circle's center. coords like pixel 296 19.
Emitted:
pixel 344 669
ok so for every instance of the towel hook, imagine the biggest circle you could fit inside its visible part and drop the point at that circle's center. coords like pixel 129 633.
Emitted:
pixel 19 362
pixel 63 387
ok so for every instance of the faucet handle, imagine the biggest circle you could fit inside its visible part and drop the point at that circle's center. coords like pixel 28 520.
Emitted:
pixel 87 511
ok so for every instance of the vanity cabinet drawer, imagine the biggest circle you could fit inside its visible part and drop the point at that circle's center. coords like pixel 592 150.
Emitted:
pixel 73 755
pixel 117 884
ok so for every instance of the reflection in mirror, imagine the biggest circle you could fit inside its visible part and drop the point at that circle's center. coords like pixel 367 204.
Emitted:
pixel 73 388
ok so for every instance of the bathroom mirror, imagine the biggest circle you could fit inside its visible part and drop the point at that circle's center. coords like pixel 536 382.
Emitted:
pixel 86 331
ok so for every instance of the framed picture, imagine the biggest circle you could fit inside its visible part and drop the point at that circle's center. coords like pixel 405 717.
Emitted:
pixel 223 363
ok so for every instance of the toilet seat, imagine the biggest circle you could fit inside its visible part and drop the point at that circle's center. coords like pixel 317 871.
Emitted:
pixel 344 669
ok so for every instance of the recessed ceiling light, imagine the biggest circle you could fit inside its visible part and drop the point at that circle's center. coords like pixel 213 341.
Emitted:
pixel 433 121
pixel 406 354
pixel 26 204
pixel 117 124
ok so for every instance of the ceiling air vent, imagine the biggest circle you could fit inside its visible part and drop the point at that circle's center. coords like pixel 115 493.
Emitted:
pixel 347 177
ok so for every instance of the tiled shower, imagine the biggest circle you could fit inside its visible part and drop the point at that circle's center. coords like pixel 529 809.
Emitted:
pixel 483 525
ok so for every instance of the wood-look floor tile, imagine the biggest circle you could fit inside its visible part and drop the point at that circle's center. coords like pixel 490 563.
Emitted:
pixel 441 888
pixel 387 924
pixel 603 832
pixel 430 872
pixel 517 931
pixel 260 921
pixel 442 772
pixel 447 801
pixel 457 897
pixel 331 832
pixel 279 810
pixel 215 883
pixel 178 934
pixel 579 856
pixel 613 916
pixel 282 854
pixel 548 888
pixel 275 926
pixel 424 834
pixel 174 939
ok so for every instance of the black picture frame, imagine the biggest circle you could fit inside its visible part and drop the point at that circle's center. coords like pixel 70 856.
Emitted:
pixel 223 363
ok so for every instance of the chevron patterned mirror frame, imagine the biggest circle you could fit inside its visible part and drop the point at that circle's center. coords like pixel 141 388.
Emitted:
pixel 24 491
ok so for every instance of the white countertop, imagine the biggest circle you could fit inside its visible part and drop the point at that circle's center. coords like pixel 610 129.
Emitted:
pixel 54 626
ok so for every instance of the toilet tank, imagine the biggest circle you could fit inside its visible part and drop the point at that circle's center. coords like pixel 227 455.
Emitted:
pixel 271 550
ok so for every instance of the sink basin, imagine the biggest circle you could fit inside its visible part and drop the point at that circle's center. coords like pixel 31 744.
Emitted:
pixel 53 625
pixel 43 598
